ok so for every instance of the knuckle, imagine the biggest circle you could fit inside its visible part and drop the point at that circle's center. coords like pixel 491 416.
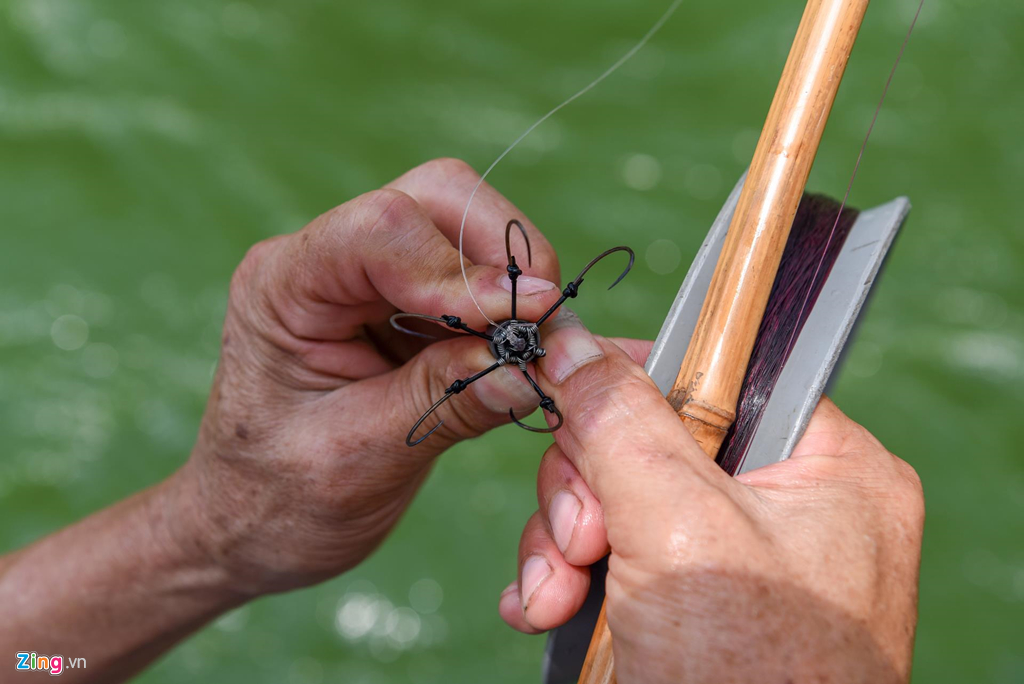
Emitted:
pixel 392 222
pixel 448 168
pixel 252 263
pixel 910 489
pixel 911 480
pixel 553 461
pixel 382 213
pixel 826 468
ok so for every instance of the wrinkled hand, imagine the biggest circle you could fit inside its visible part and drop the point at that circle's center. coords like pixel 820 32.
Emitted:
pixel 805 570
pixel 301 466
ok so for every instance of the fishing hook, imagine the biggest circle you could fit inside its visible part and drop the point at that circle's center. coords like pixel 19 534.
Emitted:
pixel 572 289
pixel 513 269
pixel 453 322
pixel 546 403
pixel 550 408
pixel 508 245
pixel 512 342
pixel 455 388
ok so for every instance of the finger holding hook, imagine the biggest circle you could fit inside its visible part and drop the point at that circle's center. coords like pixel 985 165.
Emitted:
pixel 455 388
pixel 572 289
pixel 409 441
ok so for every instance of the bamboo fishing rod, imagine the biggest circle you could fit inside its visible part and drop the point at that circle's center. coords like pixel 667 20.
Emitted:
pixel 706 391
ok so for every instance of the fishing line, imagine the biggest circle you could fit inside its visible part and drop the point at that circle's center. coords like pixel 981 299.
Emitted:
pixel 856 168
pixel 608 72
pixel 767 362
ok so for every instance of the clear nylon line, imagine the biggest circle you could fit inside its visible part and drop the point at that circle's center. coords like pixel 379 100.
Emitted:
pixel 608 72
pixel 849 186
pixel 853 176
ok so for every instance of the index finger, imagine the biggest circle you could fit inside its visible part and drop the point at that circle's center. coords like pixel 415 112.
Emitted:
pixel 443 188
pixel 357 263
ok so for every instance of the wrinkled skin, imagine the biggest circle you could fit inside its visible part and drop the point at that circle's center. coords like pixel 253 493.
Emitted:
pixel 301 465
pixel 802 572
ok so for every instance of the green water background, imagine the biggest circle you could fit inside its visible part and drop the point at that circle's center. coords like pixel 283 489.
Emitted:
pixel 144 146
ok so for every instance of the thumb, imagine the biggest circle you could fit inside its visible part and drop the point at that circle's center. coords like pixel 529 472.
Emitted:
pixel 407 393
pixel 619 431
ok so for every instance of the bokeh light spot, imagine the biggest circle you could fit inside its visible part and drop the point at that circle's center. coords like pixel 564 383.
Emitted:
pixel 663 256
pixel 403 627
pixel 425 596
pixel 69 332
pixel 641 172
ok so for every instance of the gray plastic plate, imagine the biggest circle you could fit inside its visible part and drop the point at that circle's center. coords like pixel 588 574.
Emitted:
pixel 800 385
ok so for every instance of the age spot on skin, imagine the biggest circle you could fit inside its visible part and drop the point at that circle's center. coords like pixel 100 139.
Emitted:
pixel 241 431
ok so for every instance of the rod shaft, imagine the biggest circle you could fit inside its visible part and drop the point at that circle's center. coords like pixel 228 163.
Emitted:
pixel 707 388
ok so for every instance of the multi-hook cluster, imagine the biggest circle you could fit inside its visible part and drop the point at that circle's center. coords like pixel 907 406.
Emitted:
pixel 512 342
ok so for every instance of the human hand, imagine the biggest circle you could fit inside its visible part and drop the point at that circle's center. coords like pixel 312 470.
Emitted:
pixel 301 466
pixel 805 570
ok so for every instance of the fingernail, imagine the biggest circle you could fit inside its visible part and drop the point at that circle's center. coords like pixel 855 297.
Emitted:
pixel 569 345
pixel 535 570
pixel 562 513
pixel 527 285
pixel 512 587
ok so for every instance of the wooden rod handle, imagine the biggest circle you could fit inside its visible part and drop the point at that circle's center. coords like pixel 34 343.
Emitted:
pixel 599 666
pixel 707 388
